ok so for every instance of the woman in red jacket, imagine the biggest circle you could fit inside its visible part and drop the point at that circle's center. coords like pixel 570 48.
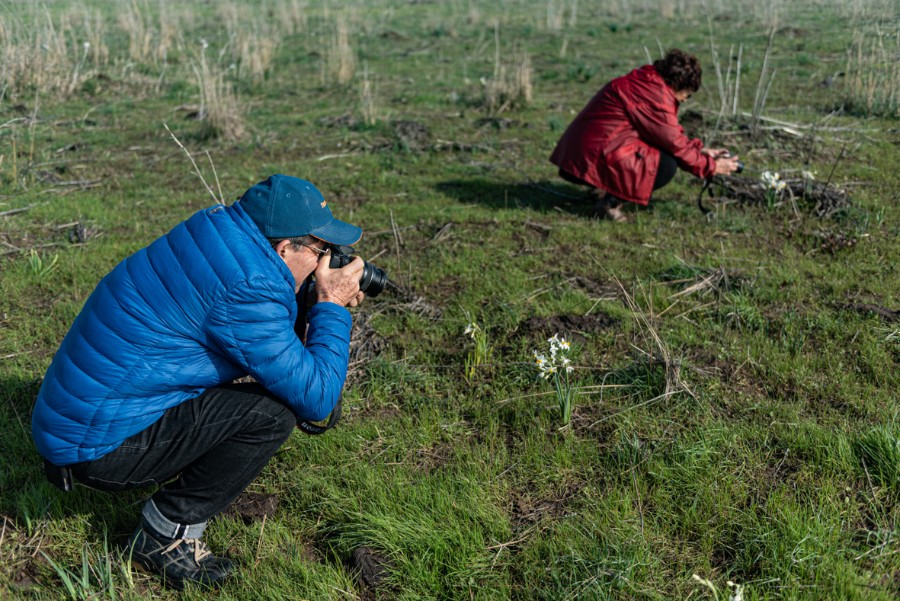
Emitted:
pixel 627 141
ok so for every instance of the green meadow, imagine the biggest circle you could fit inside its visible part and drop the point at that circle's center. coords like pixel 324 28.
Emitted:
pixel 735 411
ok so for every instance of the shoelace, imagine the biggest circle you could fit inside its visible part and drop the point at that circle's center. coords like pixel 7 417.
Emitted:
pixel 200 550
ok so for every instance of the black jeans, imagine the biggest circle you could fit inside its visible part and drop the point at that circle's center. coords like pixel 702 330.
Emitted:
pixel 664 173
pixel 215 444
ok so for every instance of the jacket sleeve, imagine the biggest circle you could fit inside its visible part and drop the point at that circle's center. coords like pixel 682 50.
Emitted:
pixel 253 327
pixel 659 127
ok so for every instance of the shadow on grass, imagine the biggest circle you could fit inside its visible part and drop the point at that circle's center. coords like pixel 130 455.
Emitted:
pixel 542 196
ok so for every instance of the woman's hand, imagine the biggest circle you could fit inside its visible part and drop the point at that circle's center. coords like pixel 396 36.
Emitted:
pixel 715 152
pixel 726 164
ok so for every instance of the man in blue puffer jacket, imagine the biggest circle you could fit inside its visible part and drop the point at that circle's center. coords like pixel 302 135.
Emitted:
pixel 139 392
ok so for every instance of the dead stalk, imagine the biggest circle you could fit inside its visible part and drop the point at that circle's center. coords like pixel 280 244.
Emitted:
pixel 194 163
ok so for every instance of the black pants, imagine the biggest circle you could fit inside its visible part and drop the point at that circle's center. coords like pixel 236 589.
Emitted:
pixel 215 444
pixel 664 173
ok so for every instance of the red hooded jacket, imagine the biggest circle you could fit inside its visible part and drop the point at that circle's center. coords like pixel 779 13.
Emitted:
pixel 614 143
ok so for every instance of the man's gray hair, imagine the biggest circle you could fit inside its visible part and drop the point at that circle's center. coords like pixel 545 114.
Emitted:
pixel 295 242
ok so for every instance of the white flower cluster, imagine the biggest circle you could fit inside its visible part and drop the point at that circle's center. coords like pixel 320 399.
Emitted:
pixel 472 330
pixel 773 181
pixel 557 361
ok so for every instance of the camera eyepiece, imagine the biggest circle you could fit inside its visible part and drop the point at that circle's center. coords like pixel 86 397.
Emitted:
pixel 373 279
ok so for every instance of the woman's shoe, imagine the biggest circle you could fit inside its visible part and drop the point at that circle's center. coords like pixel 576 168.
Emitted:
pixel 609 207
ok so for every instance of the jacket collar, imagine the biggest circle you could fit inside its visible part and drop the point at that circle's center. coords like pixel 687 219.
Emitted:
pixel 249 227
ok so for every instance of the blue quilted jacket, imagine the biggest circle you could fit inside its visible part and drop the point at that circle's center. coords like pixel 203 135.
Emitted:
pixel 207 303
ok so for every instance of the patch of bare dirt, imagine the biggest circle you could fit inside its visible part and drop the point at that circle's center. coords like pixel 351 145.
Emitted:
pixel 569 326
pixel 834 242
pixel 408 301
pixel 498 123
pixel 527 510
pixel 412 135
pixel 594 288
pixel 345 120
pixel 252 507
pixel 890 315
pixel 365 344
pixel 432 458
pixel 386 413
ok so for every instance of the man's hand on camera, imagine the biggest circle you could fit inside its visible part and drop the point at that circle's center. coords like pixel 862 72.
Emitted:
pixel 357 300
pixel 339 286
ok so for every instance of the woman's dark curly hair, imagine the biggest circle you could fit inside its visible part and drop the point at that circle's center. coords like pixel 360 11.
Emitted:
pixel 680 70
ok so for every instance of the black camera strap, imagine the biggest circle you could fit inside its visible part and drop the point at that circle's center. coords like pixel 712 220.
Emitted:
pixel 705 187
pixel 316 429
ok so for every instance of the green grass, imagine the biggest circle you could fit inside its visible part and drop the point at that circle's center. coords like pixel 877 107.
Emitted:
pixel 779 470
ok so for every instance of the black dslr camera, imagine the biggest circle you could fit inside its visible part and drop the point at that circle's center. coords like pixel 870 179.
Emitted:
pixel 373 279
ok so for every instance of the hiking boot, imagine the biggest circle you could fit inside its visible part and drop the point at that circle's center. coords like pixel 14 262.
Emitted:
pixel 179 560
pixel 609 207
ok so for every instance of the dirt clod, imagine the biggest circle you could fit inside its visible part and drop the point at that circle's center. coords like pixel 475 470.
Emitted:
pixel 252 506
pixel 370 567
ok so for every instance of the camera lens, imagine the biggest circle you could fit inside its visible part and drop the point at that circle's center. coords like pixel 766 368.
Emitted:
pixel 740 167
pixel 373 279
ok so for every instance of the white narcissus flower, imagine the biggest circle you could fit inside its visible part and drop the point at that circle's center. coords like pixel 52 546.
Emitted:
pixel 773 181
pixel 556 361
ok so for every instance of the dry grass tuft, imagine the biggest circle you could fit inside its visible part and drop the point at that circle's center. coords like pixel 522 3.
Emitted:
pixel 253 41
pixel 42 57
pixel 873 71
pixel 149 42
pixel 655 349
pixel 511 85
pixel 219 107
pixel 290 15
pixel 367 99
pixel 339 64
pixel 556 14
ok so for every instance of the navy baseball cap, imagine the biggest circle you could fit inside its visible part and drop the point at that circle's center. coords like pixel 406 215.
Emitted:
pixel 287 207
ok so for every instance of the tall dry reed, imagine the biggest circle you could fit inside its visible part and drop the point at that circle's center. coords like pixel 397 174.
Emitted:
pixel 339 64
pixel 873 71
pixel 220 111
pixel 512 83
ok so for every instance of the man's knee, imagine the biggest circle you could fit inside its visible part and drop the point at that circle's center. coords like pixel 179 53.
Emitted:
pixel 275 417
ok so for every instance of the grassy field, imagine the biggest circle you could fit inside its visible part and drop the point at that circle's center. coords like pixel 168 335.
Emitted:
pixel 736 413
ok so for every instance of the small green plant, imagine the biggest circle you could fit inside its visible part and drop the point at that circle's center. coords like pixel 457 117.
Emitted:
pixel 809 177
pixel 98 575
pixel 581 72
pixel 39 267
pixel 879 451
pixel 557 367
pixel 481 352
